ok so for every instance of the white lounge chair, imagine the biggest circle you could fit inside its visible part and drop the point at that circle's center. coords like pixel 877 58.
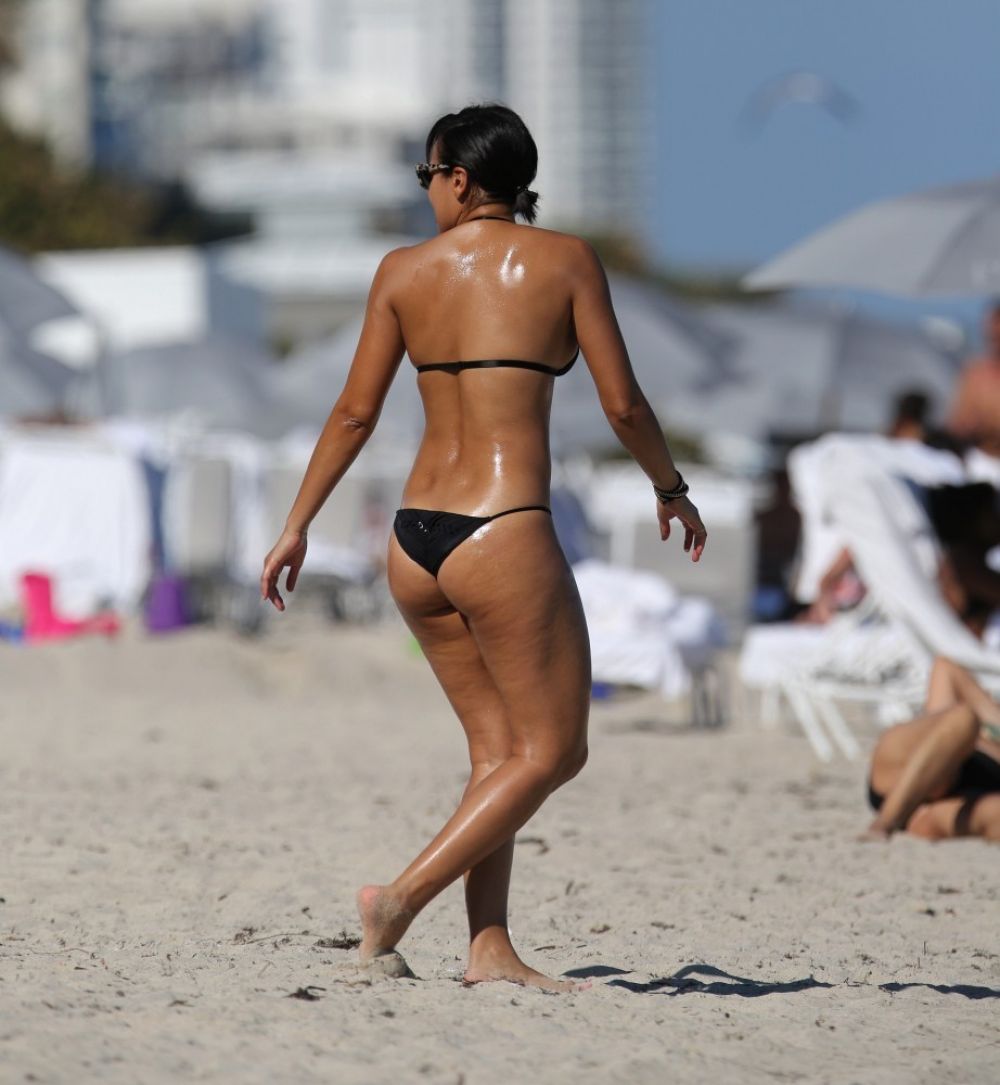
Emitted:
pixel 880 655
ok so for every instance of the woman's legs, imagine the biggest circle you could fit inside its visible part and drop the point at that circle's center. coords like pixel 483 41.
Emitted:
pixel 919 761
pixel 958 816
pixel 932 767
pixel 452 653
pixel 951 683
pixel 949 686
pixel 517 672
pixel 941 692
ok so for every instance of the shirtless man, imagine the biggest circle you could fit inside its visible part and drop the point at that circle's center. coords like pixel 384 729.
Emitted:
pixel 975 411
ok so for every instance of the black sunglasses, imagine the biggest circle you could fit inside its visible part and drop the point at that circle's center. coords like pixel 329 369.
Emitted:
pixel 425 171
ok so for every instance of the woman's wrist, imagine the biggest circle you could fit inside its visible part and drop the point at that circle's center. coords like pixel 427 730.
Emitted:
pixel 666 494
pixel 669 480
pixel 300 531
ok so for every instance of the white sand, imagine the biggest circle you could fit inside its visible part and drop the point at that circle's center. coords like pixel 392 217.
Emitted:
pixel 183 819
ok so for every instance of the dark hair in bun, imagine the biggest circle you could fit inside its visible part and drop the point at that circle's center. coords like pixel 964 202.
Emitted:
pixel 494 146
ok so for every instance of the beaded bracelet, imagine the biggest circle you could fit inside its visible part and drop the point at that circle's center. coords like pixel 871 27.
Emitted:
pixel 671 495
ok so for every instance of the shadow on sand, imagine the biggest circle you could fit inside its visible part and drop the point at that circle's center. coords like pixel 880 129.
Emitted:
pixel 687 979
pixel 967 990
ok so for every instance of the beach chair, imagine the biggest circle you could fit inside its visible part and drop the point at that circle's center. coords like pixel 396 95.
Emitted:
pixel 197 528
pixel 895 566
pixel 881 656
pixel 345 546
pixel 859 491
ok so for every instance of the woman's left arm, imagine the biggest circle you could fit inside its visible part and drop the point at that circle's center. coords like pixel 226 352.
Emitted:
pixel 348 427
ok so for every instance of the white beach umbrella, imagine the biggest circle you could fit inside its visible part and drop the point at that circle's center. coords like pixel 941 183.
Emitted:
pixel 940 241
pixel 803 368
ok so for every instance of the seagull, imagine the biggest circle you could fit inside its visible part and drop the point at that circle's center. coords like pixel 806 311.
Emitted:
pixel 809 88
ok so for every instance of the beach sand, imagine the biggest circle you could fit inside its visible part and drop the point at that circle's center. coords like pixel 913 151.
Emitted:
pixel 185 821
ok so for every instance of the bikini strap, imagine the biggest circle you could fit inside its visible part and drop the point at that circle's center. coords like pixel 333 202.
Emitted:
pixel 499 363
pixel 521 508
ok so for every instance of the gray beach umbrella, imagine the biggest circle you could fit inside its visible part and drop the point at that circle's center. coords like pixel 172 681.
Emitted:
pixel 675 352
pixel 230 382
pixel 31 383
pixel 25 300
pixel 940 241
pixel 803 368
pixel 309 381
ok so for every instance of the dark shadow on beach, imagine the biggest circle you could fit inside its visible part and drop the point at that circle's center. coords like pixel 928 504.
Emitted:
pixel 967 990
pixel 594 971
pixel 686 980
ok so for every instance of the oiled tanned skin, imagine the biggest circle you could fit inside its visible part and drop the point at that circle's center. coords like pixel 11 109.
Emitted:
pixel 501 624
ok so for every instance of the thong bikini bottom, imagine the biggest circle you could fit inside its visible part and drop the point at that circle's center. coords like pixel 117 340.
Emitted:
pixel 428 535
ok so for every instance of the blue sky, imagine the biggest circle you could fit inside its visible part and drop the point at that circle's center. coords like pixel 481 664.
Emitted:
pixel 926 74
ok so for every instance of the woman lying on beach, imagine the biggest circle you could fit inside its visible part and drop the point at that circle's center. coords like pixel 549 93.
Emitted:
pixel 939 775
pixel 490 312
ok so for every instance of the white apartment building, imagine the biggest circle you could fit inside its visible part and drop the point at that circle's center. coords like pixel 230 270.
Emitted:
pixel 362 76
pixel 580 72
pixel 49 94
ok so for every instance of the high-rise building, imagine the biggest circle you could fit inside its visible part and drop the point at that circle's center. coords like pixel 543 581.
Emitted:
pixel 579 73
pixel 48 92
pixel 370 67
pixel 148 86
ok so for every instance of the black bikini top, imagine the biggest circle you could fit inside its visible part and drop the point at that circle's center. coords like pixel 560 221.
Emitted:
pixel 499 363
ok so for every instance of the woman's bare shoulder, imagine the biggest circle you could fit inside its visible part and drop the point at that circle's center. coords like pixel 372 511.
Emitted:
pixel 565 253
pixel 397 265
pixel 570 244
pixel 407 257
pixel 556 249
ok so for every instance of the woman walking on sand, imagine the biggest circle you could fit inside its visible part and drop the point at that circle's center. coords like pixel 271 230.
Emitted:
pixel 491 313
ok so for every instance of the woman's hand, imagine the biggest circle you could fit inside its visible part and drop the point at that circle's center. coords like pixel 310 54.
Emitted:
pixel 695 534
pixel 289 550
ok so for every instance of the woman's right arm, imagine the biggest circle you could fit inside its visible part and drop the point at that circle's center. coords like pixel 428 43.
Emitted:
pixel 626 408
pixel 347 429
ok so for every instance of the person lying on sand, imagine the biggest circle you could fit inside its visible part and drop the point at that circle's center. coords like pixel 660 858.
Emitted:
pixel 938 776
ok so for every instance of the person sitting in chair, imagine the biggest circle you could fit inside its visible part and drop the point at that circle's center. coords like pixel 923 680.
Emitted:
pixel 938 776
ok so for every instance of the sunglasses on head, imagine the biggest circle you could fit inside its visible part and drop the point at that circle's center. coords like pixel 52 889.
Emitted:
pixel 425 171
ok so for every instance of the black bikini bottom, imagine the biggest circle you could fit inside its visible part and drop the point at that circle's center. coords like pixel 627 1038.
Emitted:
pixel 978 775
pixel 429 536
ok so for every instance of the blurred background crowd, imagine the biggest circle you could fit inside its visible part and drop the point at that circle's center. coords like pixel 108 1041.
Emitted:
pixel 194 196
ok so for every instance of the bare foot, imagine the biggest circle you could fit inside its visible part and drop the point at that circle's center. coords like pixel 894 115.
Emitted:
pixel 383 922
pixel 509 967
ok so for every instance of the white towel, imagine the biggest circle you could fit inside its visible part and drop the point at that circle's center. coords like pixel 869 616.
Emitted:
pixel 75 508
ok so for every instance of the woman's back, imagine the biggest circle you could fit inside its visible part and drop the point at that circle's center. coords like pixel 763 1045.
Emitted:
pixel 485 290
